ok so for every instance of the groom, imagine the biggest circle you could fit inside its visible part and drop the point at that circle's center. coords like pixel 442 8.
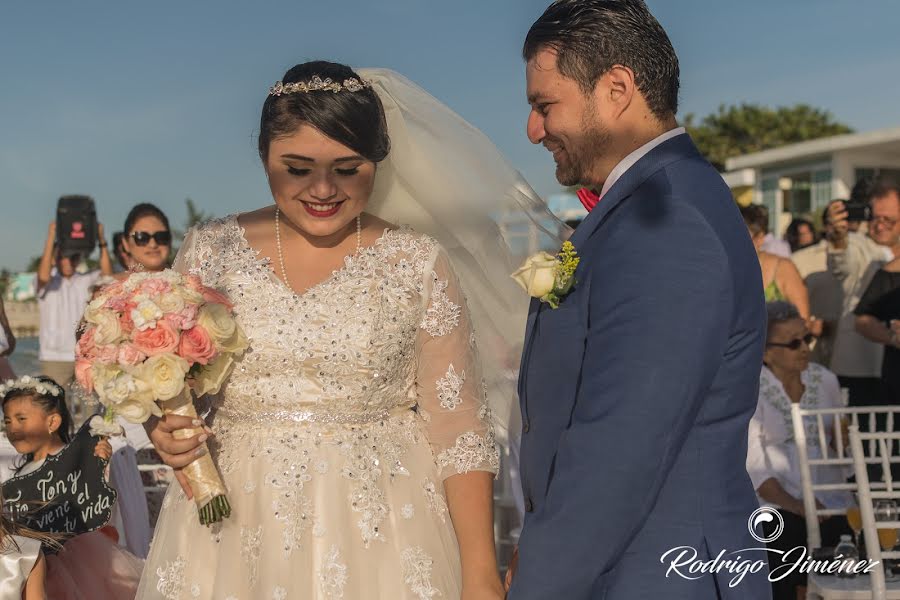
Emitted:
pixel 637 391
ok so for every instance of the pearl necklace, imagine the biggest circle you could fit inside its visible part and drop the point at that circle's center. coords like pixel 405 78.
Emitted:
pixel 281 254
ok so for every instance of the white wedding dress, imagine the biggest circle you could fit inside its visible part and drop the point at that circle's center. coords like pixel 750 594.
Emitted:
pixel 335 432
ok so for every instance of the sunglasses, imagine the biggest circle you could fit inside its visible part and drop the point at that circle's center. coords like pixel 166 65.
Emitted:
pixel 162 238
pixel 795 343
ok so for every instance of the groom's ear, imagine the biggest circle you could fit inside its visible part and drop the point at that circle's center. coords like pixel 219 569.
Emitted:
pixel 615 90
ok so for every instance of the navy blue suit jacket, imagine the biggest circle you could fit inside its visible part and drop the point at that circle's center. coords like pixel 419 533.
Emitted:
pixel 637 391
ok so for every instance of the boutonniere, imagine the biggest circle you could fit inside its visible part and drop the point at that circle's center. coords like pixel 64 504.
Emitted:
pixel 549 278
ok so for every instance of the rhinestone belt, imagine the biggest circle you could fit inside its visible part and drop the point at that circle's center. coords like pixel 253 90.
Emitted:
pixel 312 416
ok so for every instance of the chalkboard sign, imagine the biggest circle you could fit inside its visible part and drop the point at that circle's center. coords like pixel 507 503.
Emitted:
pixel 68 494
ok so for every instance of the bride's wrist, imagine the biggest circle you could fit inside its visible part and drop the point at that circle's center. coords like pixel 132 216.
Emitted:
pixel 487 577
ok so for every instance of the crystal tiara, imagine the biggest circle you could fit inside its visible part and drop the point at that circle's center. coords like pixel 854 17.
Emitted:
pixel 318 84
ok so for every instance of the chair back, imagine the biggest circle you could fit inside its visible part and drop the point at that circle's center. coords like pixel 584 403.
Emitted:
pixel 811 428
pixel 876 448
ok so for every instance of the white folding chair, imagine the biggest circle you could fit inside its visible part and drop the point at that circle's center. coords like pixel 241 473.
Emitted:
pixel 881 448
pixel 810 425
pixel 810 428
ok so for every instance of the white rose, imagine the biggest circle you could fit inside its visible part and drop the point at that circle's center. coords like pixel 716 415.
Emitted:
pixel 134 410
pixel 108 328
pixel 103 374
pixel 165 374
pixel 94 308
pixel 220 325
pixel 124 387
pixel 100 426
pixel 145 314
pixel 211 377
pixel 170 303
pixel 538 275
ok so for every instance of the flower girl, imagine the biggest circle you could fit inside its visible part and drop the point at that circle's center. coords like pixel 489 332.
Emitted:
pixel 90 565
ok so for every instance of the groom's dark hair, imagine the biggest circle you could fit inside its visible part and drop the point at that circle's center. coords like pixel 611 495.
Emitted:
pixel 592 36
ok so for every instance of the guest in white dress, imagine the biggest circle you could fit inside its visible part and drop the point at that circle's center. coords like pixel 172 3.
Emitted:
pixel 354 436
pixel 772 460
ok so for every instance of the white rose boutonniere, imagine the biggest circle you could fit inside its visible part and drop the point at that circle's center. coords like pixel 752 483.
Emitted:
pixel 549 278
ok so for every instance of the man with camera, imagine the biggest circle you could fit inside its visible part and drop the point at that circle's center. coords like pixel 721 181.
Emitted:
pixel 854 258
pixel 63 294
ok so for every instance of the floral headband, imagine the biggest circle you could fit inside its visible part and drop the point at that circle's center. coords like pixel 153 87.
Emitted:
pixel 29 383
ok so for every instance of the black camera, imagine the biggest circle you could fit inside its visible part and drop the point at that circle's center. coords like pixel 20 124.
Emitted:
pixel 76 225
pixel 858 211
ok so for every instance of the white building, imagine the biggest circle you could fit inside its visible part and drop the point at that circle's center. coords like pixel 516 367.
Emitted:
pixel 801 179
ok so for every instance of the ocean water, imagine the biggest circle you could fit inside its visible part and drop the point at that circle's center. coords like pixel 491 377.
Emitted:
pixel 25 359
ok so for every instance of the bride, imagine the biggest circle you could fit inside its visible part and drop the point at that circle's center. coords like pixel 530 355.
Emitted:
pixel 355 436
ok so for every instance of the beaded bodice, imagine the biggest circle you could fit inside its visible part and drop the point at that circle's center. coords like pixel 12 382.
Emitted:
pixel 344 348
pixel 383 334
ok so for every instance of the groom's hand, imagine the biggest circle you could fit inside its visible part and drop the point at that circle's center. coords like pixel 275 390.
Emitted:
pixel 177 452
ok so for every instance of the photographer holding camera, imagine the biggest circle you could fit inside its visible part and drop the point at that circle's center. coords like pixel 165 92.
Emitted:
pixel 63 294
pixel 854 258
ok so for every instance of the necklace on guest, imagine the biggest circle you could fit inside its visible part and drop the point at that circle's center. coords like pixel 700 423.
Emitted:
pixel 284 274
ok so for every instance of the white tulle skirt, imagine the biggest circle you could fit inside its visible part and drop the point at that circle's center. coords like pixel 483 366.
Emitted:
pixel 319 512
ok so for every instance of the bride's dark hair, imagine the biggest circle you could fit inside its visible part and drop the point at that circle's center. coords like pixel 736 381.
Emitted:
pixel 355 119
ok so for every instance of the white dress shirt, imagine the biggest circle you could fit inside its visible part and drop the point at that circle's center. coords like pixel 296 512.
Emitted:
pixel 62 302
pixel 630 160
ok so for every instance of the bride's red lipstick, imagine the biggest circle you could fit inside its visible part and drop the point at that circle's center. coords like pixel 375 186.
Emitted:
pixel 322 214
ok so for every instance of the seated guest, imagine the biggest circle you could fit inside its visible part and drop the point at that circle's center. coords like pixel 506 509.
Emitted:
pixel 787 378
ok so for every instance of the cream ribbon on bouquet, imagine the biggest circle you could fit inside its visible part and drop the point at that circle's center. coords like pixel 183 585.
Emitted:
pixel 148 342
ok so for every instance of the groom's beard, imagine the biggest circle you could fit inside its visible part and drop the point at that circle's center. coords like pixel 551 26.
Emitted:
pixel 578 159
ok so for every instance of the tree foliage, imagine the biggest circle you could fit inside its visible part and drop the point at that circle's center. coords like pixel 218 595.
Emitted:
pixel 736 130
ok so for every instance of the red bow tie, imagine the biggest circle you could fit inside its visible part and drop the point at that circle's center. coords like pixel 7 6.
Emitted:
pixel 588 198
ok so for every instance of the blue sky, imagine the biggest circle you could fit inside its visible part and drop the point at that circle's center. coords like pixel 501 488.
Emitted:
pixel 159 101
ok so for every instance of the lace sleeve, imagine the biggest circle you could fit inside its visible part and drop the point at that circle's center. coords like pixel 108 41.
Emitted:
pixel 450 390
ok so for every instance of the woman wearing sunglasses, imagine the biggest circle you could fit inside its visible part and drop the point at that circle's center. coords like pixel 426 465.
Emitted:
pixel 788 377
pixel 148 239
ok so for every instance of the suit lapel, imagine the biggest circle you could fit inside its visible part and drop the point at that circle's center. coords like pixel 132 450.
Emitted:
pixel 533 312
pixel 673 149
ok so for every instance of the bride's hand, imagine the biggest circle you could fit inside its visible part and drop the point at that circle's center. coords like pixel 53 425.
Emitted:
pixel 176 452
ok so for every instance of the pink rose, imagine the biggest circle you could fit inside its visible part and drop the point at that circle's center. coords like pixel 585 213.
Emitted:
pixel 212 296
pixel 108 354
pixel 130 356
pixel 185 318
pixel 156 287
pixel 84 375
pixel 197 346
pixel 85 347
pixel 158 340
pixel 116 303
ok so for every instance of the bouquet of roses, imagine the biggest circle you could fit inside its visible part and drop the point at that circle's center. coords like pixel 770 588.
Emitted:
pixel 149 341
